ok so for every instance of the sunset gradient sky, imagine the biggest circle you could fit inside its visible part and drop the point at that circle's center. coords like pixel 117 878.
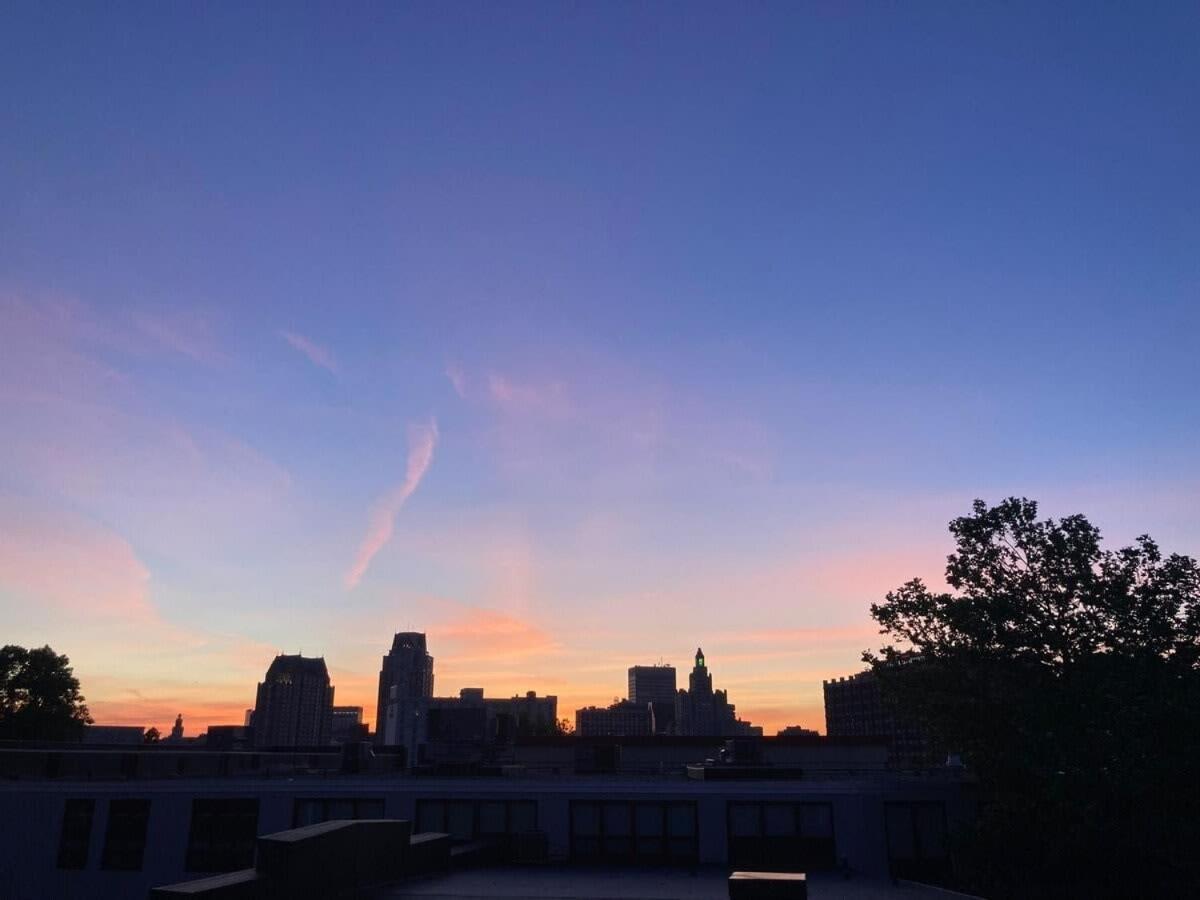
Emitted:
pixel 574 336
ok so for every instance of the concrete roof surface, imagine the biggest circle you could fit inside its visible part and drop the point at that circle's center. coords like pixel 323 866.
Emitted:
pixel 586 883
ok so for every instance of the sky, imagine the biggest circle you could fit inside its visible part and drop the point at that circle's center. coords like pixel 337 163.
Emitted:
pixel 576 336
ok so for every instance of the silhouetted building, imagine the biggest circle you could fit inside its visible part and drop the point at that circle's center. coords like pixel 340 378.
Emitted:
pixel 114 734
pixel 295 704
pixel 655 685
pixel 405 686
pixel 176 735
pixel 348 725
pixel 228 737
pixel 622 719
pixel 503 718
pixel 855 707
pixel 797 731
pixel 525 715
pixel 702 711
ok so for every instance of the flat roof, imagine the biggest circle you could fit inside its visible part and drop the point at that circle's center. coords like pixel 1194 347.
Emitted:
pixel 626 883
pixel 535 785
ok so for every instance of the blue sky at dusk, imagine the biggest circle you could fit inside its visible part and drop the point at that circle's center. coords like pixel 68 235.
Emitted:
pixel 574 335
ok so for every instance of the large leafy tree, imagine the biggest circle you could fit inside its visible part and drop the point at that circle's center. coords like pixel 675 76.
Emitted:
pixel 1068 676
pixel 39 696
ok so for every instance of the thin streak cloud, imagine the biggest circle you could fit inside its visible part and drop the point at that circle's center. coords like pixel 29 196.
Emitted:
pixel 317 355
pixel 421 441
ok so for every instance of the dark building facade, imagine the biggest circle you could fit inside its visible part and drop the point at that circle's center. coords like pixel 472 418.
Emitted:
pixel 622 719
pixel 503 719
pixel 405 686
pixel 294 707
pixel 701 711
pixel 655 685
pixel 855 707
pixel 348 725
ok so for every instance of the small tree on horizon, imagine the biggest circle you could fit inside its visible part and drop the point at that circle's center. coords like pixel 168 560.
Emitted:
pixel 39 696
pixel 1068 676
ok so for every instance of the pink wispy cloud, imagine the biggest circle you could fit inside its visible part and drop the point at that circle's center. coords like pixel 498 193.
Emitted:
pixel 81 570
pixel 421 441
pixel 186 332
pixel 541 398
pixel 317 355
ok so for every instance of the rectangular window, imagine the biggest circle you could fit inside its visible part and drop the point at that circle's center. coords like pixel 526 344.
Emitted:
pixel 641 832
pixel 916 837
pixel 222 835
pixel 774 836
pixel 326 809
pixel 125 837
pixel 467 820
pixel 76 835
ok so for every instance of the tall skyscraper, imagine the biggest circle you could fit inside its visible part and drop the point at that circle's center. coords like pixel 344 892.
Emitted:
pixel 654 685
pixel 405 686
pixel 294 707
pixel 702 711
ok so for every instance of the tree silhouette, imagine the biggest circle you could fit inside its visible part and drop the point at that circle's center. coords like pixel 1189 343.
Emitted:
pixel 39 696
pixel 1068 676
pixel 152 735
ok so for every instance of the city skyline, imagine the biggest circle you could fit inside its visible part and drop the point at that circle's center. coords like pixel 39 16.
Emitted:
pixel 548 333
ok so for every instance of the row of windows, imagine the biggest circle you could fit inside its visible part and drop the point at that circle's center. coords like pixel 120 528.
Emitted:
pixel 468 820
pixel 634 831
pixel 124 841
pixel 221 837
pixel 774 835
pixel 761 835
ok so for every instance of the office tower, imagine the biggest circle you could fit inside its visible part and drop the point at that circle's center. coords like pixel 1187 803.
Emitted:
pixel 702 711
pixel 405 686
pixel 655 685
pixel 294 707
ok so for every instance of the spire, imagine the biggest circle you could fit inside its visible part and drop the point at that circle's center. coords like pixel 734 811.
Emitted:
pixel 699 658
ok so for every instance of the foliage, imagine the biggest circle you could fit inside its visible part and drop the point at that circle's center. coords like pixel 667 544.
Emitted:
pixel 1069 678
pixel 152 736
pixel 39 696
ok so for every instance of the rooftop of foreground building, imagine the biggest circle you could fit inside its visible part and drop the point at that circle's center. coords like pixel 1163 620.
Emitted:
pixel 610 883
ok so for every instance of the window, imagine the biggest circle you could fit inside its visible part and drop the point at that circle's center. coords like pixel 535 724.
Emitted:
pixel 467 820
pixel 125 837
pixel 916 836
pixel 781 836
pixel 76 835
pixel 636 832
pixel 222 835
pixel 326 809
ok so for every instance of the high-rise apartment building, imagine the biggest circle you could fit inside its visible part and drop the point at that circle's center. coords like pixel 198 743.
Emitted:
pixel 405 686
pixel 655 685
pixel 294 706
pixel 856 707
